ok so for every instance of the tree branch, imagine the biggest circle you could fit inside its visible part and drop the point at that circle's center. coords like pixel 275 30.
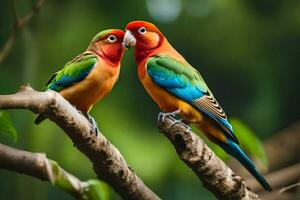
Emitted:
pixel 283 147
pixel 39 166
pixel 212 171
pixel 19 23
pixel 108 162
pixel 287 188
pixel 290 192
pixel 278 179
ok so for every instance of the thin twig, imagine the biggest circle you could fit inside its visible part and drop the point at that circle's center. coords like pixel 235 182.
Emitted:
pixel 277 178
pixel 14 11
pixel 283 147
pixel 19 24
pixel 289 187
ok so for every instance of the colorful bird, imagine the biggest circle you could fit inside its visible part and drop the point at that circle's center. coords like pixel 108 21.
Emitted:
pixel 91 75
pixel 178 88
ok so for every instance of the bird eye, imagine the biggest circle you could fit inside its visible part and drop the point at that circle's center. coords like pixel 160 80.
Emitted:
pixel 112 38
pixel 142 30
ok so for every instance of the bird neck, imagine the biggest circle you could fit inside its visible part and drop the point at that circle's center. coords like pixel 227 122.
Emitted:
pixel 112 57
pixel 165 48
pixel 143 52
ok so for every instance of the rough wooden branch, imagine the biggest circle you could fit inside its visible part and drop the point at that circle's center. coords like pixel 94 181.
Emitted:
pixel 107 161
pixel 39 166
pixel 20 22
pixel 212 171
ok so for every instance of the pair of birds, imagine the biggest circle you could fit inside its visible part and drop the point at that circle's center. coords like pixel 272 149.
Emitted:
pixel 170 80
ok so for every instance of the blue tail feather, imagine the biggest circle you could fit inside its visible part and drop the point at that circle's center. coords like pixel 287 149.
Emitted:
pixel 234 150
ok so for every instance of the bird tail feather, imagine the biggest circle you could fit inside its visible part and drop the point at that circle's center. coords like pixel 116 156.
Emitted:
pixel 234 149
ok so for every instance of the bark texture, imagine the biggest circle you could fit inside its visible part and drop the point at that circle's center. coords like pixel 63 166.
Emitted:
pixel 215 175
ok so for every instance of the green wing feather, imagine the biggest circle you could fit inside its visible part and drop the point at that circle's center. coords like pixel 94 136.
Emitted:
pixel 173 68
pixel 73 72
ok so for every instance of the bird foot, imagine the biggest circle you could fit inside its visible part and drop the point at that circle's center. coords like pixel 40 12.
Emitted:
pixel 94 126
pixel 181 122
pixel 93 123
pixel 163 115
pixel 74 106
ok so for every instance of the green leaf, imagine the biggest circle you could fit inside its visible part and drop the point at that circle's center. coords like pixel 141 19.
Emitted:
pixel 97 190
pixel 57 178
pixel 249 141
pixel 91 189
pixel 6 127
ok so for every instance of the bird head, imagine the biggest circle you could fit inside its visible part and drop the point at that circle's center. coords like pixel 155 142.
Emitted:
pixel 143 35
pixel 108 44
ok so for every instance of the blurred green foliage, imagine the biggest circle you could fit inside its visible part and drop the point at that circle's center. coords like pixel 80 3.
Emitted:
pixel 247 51
pixel 249 141
pixel 6 127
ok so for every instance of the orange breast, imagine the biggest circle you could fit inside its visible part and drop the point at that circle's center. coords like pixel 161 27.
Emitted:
pixel 93 88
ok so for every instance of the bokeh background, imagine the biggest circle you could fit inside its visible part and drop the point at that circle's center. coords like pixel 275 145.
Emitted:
pixel 247 51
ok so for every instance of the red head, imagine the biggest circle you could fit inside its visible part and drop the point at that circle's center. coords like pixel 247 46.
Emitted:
pixel 108 45
pixel 145 36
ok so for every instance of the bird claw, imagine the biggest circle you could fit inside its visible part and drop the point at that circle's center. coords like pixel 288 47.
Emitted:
pixel 94 125
pixel 174 122
pixel 74 106
pixel 163 115
pixel 180 121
